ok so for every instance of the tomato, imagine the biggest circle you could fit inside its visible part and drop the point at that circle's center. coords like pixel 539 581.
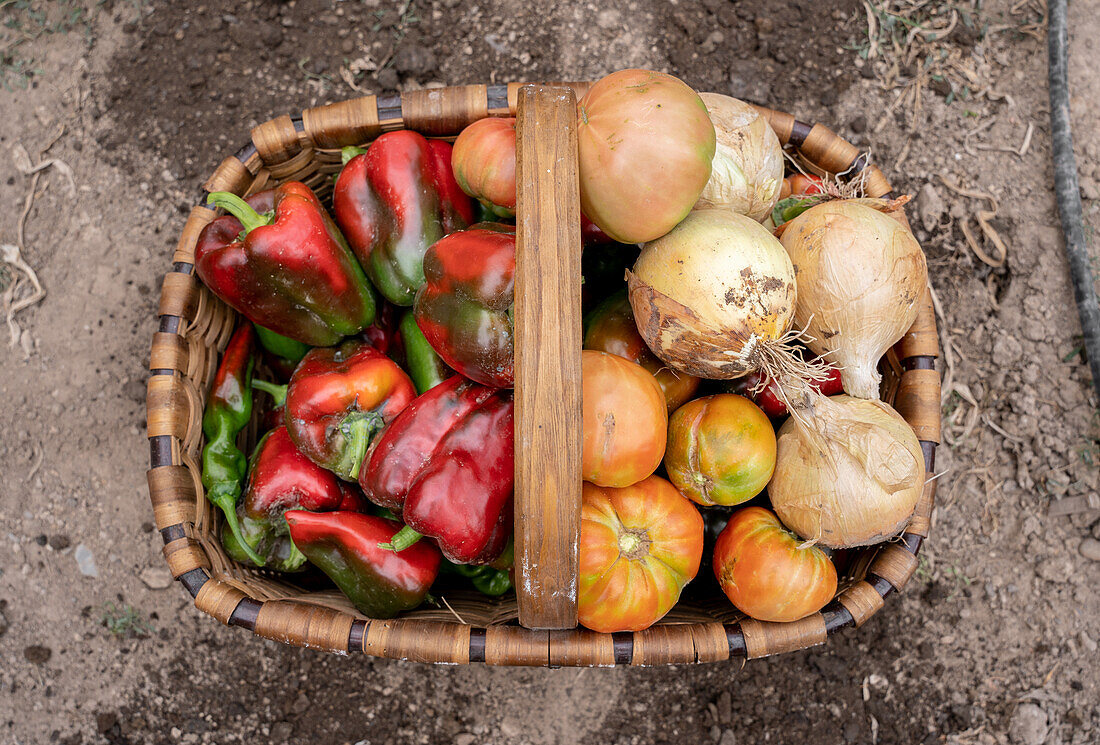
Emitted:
pixel 803 185
pixel 611 328
pixel 765 574
pixel 768 398
pixel 639 546
pixel 721 450
pixel 625 420
pixel 645 146
pixel 484 164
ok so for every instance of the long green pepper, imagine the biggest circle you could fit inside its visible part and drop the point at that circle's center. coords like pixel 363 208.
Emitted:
pixel 424 366
pixel 228 410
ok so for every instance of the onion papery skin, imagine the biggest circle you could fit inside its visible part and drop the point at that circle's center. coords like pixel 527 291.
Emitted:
pixel 849 472
pixel 747 171
pixel 704 290
pixel 861 276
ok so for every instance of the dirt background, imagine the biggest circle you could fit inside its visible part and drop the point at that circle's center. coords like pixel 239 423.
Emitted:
pixel 995 640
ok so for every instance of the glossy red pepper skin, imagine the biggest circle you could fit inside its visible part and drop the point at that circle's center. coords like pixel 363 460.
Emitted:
pixel 445 465
pixel 394 201
pixel 458 208
pixel 339 398
pixel 767 398
pixel 281 478
pixel 464 308
pixel 293 273
pixel 344 545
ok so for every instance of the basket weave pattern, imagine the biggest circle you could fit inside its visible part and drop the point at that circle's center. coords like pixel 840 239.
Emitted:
pixel 195 326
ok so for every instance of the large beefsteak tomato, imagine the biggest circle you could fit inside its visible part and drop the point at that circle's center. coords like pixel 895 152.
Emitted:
pixel 765 574
pixel 645 146
pixel 639 546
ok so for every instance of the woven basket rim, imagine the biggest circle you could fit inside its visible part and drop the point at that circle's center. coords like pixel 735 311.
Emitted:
pixel 194 327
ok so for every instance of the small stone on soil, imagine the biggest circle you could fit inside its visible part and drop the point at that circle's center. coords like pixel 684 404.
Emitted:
pixel 155 578
pixel 105 721
pixel 387 79
pixel 414 60
pixel 1090 549
pixel 37 654
pixel 85 561
pixel 930 207
pixel 1028 725
pixel 725 706
pixel 60 542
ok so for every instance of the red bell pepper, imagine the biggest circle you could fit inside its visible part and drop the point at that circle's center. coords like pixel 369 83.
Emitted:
pixel 338 398
pixel 288 269
pixel 465 306
pixel 344 545
pixel 280 478
pixel 392 201
pixel 445 465
pixel 767 396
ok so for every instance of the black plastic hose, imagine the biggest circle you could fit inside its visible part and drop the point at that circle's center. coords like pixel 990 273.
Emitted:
pixel 1067 190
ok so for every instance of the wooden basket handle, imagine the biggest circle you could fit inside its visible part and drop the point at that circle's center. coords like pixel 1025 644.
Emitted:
pixel 547 357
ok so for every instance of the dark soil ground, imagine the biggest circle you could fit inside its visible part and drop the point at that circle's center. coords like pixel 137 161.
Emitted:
pixel 995 639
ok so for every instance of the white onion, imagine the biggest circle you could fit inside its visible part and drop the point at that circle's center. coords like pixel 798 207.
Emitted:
pixel 861 276
pixel 712 294
pixel 747 170
pixel 849 472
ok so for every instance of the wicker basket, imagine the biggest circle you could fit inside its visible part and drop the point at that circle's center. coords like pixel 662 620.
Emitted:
pixel 538 627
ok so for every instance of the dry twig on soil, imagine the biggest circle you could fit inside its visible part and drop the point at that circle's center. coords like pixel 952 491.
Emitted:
pixel 983 218
pixel 13 299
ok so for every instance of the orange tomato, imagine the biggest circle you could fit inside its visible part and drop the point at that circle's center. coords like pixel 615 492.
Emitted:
pixel 484 163
pixel 765 574
pixel 639 546
pixel 645 144
pixel 625 420
pixel 721 450
pixel 804 185
pixel 611 328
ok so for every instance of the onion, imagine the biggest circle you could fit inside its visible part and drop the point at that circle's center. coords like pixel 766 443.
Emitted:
pixel 861 276
pixel 747 171
pixel 715 297
pixel 848 472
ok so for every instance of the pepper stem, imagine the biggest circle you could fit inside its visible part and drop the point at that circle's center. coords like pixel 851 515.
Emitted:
pixel 358 429
pixel 401 540
pixel 226 501
pixel 350 152
pixel 277 392
pixel 239 208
